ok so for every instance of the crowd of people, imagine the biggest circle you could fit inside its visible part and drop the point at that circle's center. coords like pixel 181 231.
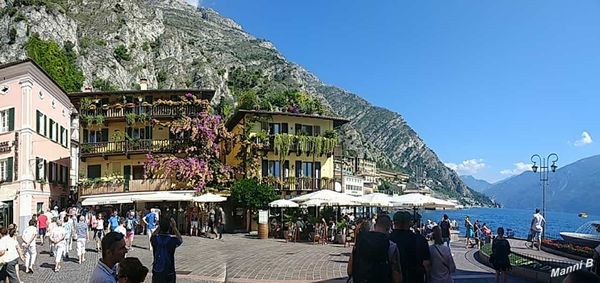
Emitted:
pixel 61 229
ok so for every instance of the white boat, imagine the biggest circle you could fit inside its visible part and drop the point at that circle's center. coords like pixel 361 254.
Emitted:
pixel 586 235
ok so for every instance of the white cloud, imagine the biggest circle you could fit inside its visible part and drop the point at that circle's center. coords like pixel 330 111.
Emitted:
pixel 467 167
pixel 520 167
pixel 585 139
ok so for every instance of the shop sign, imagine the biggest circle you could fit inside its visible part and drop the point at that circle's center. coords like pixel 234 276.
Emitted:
pixel 5 146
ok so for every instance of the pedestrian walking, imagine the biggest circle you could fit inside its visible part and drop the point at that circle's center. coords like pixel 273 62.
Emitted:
pixel 130 225
pixel 221 222
pixel 375 258
pixel 51 227
pixel 81 229
pixel 29 237
pixel 164 244
pixel 68 226
pixel 42 226
pixel 445 227
pixel 150 220
pixel 468 232
pixel 13 232
pixel 131 270
pixel 212 224
pixel 58 238
pixel 442 263
pixel 10 255
pixel 121 228
pixel 194 220
pixel 499 257
pixel 537 227
pixel 114 221
pixel 99 231
pixel 113 252
pixel 414 250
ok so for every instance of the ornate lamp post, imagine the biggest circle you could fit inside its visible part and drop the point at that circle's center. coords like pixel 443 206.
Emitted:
pixel 552 157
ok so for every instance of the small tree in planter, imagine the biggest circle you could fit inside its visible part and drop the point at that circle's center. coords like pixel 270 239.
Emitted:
pixel 252 195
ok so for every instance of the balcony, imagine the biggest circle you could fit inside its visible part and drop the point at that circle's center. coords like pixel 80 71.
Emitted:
pixel 158 111
pixel 128 147
pixel 304 184
pixel 109 187
pixel 301 145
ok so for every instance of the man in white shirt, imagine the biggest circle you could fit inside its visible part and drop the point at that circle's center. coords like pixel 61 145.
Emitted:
pixel 57 237
pixel 29 245
pixel 537 226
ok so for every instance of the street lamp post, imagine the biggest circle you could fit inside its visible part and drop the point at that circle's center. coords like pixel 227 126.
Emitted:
pixel 552 157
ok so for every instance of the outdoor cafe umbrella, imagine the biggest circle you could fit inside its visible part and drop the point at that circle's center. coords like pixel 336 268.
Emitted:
pixel 209 197
pixel 283 203
pixel 419 200
pixel 376 200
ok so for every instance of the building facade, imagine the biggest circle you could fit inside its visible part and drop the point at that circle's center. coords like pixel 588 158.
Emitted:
pixel 35 156
pixel 295 151
pixel 354 186
pixel 118 130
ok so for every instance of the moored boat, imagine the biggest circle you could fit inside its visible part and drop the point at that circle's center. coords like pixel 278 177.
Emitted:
pixel 586 235
pixel 583 215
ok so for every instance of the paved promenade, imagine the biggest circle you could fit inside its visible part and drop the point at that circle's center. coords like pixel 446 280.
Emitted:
pixel 239 258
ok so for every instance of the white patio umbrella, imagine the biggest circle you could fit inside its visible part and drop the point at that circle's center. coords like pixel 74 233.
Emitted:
pixel 209 197
pixel 376 200
pixel 163 196
pixel 419 200
pixel 283 203
pixel 327 197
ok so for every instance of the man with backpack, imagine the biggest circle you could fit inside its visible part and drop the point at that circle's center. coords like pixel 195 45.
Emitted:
pixel 375 258
pixel 413 248
pixel 163 246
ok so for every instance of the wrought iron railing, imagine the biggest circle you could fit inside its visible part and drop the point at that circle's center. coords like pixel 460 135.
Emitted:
pixel 129 146
pixel 151 111
pixel 302 184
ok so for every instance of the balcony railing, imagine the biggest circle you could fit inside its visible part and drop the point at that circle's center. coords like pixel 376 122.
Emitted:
pixel 147 185
pixel 302 184
pixel 128 147
pixel 158 111
pixel 295 145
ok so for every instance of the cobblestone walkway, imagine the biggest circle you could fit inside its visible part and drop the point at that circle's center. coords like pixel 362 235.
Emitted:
pixel 237 258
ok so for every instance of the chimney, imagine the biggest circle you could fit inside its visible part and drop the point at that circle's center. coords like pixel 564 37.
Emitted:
pixel 143 84
pixel 87 89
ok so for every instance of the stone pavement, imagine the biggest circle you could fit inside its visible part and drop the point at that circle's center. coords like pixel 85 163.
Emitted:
pixel 240 258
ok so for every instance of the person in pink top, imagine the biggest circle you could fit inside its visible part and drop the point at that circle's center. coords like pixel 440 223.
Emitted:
pixel 42 225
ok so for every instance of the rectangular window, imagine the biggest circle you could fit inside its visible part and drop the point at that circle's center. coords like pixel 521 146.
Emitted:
pixel 97 136
pixel 304 130
pixel 3 121
pixel 93 171
pixel 138 172
pixel 275 169
pixel 40 207
pixel 274 128
pixel 40 168
pixel 3 169
pixel 307 169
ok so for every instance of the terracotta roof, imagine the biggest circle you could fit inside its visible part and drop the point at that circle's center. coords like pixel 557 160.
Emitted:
pixel 238 115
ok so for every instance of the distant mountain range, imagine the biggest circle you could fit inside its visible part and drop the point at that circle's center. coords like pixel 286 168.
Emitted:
pixel 476 184
pixel 572 188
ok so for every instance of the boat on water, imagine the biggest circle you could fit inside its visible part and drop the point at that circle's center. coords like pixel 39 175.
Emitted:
pixel 586 235
pixel 583 215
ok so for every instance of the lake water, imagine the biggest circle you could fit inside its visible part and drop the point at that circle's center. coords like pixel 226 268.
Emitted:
pixel 517 219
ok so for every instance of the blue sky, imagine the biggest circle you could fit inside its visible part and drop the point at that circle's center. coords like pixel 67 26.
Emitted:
pixel 485 84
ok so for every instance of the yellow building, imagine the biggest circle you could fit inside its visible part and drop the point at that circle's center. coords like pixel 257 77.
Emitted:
pixel 294 151
pixel 118 129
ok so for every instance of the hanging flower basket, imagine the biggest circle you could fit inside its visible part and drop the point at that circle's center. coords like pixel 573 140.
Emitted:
pixel 130 105
pixel 92 107
pixel 105 107
pixel 117 106
pixel 146 104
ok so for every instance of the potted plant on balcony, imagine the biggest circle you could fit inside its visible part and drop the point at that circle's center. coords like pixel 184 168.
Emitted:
pixel 92 107
pixel 117 106
pixel 146 104
pixel 86 148
pixel 90 120
pixel 85 103
pixel 131 118
pixel 42 182
pixel 105 106
pixel 142 117
pixel 99 119
pixel 130 105
pixel 306 183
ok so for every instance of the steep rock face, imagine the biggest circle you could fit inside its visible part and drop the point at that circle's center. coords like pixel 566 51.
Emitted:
pixel 175 45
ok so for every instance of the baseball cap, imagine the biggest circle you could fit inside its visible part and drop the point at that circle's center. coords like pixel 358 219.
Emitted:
pixel 402 216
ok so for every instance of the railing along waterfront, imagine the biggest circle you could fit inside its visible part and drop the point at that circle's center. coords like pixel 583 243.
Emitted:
pixel 129 146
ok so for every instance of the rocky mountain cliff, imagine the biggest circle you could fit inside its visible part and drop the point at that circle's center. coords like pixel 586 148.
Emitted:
pixel 175 45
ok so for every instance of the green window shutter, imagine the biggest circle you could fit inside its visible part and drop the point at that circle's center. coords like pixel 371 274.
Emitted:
pixel 67 137
pixel 105 135
pixel 50 128
pixel 61 134
pixel 37 168
pixel 9 168
pixel 45 125
pixel 56 131
pixel 37 121
pixel 129 132
pixel 85 135
pixel 11 119
pixel 45 170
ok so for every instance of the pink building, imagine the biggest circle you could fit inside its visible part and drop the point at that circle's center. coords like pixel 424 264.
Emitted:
pixel 35 141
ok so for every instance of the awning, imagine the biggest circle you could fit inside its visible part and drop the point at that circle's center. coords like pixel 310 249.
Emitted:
pixel 101 200
pixel 164 196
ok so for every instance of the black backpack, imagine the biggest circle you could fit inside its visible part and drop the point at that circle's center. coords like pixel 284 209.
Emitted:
pixel 370 258
pixel 412 266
